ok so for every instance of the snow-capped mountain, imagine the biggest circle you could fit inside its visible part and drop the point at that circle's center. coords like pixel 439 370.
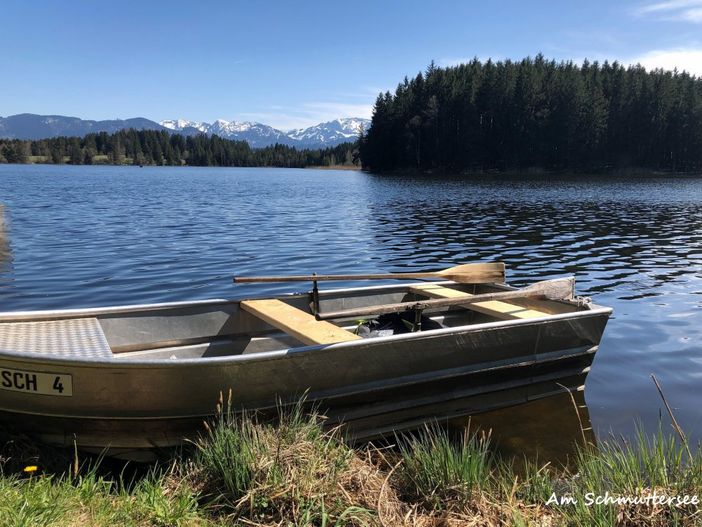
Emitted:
pixel 256 134
pixel 182 124
pixel 326 134
pixel 332 132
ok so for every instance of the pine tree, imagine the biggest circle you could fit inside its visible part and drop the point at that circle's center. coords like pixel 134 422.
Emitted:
pixel 536 112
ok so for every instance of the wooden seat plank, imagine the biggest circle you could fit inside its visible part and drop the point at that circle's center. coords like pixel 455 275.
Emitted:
pixel 496 308
pixel 295 322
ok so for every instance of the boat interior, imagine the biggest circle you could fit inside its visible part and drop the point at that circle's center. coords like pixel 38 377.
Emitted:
pixel 227 328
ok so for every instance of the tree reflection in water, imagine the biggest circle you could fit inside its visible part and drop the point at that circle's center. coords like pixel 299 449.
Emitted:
pixel 544 431
pixel 4 241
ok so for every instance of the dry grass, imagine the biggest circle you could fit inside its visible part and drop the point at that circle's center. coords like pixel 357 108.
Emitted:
pixel 287 472
pixel 245 471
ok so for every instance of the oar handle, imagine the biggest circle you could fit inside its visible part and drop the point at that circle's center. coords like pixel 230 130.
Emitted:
pixel 329 277
pixel 472 273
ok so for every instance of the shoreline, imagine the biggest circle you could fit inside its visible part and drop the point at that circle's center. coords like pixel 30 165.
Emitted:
pixel 130 163
pixel 536 173
pixel 335 167
pixel 290 472
pixel 414 172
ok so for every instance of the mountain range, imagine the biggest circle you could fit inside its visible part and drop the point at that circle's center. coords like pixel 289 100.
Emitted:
pixel 331 133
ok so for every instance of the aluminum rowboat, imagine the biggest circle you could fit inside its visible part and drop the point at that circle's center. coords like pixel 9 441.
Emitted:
pixel 126 378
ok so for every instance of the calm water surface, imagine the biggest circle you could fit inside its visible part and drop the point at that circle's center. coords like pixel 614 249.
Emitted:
pixel 92 236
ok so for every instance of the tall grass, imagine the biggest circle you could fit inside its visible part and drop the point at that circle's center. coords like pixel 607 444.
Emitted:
pixel 93 500
pixel 248 471
pixel 289 470
pixel 660 464
pixel 436 470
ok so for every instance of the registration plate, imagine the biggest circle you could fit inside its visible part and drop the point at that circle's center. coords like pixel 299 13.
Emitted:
pixel 43 383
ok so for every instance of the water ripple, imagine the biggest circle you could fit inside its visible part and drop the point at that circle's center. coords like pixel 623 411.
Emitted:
pixel 87 236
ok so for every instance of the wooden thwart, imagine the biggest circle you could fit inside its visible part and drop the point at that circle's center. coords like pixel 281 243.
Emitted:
pixel 556 289
pixel 296 322
pixel 496 308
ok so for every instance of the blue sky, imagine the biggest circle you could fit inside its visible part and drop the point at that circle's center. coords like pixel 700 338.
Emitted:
pixel 293 64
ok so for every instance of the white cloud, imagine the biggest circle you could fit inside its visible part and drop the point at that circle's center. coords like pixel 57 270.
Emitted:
pixel 676 10
pixel 693 15
pixel 687 59
pixel 669 5
pixel 308 114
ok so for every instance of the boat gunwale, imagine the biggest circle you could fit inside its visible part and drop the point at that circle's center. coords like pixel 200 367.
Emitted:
pixel 592 311
pixel 54 314
pixel 59 314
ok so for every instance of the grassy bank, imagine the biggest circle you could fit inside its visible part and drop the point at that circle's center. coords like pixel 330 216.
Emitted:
pixel 244 472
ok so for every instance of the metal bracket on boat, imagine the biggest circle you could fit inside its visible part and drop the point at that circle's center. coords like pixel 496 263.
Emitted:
pixel 417 319
pixel 315 295
pixel 583 300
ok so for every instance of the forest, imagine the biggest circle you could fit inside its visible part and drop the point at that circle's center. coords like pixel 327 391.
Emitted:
pixel 150 147
pixel 538 113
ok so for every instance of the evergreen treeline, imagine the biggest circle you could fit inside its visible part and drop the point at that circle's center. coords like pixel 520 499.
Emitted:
pixel 151 147
pixel 538 113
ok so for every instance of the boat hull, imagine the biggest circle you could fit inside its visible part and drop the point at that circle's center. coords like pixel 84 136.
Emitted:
pixel 371 386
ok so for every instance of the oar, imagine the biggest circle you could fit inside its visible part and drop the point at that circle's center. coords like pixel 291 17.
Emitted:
pixel 473 273
pixel 558 289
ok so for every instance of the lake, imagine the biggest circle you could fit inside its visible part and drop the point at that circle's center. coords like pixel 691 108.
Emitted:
pixel 94 236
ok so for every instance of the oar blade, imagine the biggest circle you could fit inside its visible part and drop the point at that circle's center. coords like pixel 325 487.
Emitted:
pixel 556 289
pixel 475 273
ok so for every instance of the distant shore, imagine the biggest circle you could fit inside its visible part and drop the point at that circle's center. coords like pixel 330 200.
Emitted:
pixel 538 172
pixel 335 167
pixel 103 160
pixel 159 148
pixel 533 172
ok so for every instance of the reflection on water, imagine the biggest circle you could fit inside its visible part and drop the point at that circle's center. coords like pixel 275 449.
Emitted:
pixel 4 242
pixel 613 235
pixel 119 235
pixel 547 430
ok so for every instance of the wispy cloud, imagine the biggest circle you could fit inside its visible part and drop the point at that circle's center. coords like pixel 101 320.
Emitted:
pixel 308 114
pixel 669 5
pixel 684 59
pixel 673 10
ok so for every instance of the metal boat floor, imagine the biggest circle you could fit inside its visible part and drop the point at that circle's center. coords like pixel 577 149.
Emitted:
pixel 72 338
